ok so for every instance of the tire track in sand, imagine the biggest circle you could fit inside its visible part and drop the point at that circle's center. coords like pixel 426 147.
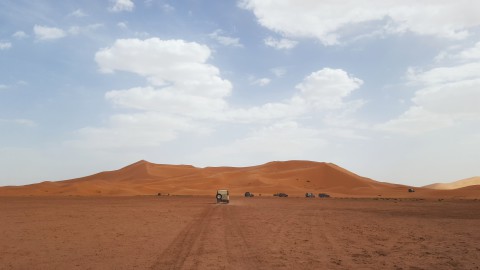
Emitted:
pixel 240 253
pixel 175 255
pixel 214 240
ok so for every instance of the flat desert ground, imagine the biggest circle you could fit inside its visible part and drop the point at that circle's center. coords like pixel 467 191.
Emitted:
pixel 193 232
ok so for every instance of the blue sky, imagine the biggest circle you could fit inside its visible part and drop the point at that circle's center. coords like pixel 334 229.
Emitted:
pixel 387 89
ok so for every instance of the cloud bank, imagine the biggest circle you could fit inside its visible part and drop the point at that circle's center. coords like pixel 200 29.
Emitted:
pixel 328 21
pixel 184 93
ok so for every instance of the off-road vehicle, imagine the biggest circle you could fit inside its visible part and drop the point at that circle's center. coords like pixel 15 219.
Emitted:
pixel 222 196
pixel 248 194
pixel 309 195
pixel 323 195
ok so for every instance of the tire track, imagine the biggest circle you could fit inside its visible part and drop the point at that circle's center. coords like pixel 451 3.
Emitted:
pixel 214 240
pixel 240 252
pixel 178 251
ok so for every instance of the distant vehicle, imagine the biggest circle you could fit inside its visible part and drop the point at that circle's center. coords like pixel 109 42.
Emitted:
pixel 309 195
pixel 411 190
pixel 222 196
pixel 280 194
pixel 249 194
pixel 323 195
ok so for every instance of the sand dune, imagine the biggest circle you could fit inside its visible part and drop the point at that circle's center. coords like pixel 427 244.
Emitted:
pixel 472 181
pixel 292 177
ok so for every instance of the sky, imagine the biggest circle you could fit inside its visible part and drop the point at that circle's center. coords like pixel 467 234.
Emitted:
pixel 387 89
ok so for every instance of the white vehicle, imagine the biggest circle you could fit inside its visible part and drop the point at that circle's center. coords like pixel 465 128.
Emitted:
pixel 222 196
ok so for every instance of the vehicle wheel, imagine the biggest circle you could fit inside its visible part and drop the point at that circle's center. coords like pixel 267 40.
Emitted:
pixel 219 197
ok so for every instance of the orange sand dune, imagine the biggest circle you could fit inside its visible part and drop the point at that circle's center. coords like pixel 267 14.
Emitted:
pixel 472 181
pixel 292 177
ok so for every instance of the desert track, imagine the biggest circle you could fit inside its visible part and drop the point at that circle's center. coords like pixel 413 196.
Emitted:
pixel 213 240
pixel 249 233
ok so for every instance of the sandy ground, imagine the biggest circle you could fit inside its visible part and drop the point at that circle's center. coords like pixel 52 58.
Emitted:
pixel 249 233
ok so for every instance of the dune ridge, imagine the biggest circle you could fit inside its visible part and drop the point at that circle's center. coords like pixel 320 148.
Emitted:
pixel 472 181
pixel 293 177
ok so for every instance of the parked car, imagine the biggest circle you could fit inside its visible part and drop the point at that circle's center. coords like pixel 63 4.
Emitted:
pixel 222 196
pixel 248 194
pixel 281 194
pixel 411 190
pixel 309 195
pixel 323 195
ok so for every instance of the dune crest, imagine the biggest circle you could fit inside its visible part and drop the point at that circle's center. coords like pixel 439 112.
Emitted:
pixel 472 181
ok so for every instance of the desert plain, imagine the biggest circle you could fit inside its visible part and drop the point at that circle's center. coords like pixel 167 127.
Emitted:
pixel 193 232
pixel 152 216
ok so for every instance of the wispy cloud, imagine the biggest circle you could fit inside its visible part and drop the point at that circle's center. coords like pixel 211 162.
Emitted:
pixel 20 35
pixel 261 81
pixel 326 21
pixel 280 44
pixel 78 13
pixel 279 71
pixel 14 85
pixel 225 40
pixel 19 121
pixel 167 8
pixel 123 25
pixel 447 96
pixel 121 5
pixel 48 33
pixel 5 45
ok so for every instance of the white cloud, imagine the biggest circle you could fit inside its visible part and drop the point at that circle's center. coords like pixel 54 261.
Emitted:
pixel 19 35
pixel 261 81
pixel 458 99
pixel 441 75
pixel 460 54
pixel 279 71
pixel 166 62
pixel 322 90
pixel 5 45
pixel 3 86
pixel 327 88
pixel 416 120
pixel 280 44
pixel 123 25
pixel 183 88
pixel 225 40
pixel 48 33
pixel 470 53
pixel 167 8
pixel 78 13
pixel 447 96
pixel 327 21
pixel 76 30
pixel 121 5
